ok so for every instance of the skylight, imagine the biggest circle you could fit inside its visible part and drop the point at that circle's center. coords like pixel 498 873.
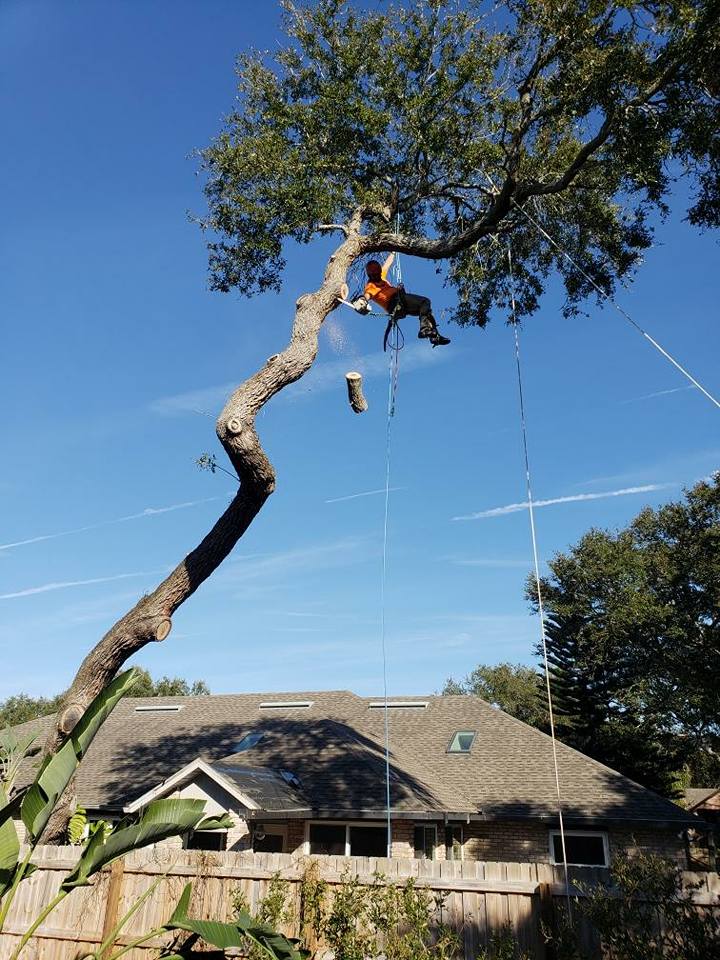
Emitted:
pixel 286 704
pixel 462 741
pixel 248 741
pixel 399 705
pixel 160 708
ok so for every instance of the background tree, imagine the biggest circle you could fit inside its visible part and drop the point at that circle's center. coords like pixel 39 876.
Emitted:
pixel 22 707
pixel 634 642
pixel 513 687
pixel 453 117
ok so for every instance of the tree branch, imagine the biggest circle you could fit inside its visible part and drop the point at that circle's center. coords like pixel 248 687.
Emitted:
pixel 151 618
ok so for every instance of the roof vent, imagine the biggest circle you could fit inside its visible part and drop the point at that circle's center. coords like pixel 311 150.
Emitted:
pixel 400 705
pixel 160 708
pixel 286 704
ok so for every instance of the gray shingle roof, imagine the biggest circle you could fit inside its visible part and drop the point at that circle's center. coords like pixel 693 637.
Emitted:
pixel 336 750
pixel 695 796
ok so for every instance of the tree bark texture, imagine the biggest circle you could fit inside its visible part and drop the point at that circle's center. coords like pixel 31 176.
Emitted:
pixel 356 397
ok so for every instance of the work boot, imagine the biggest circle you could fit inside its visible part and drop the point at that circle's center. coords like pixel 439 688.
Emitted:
pixel 438 340
pixel 428 327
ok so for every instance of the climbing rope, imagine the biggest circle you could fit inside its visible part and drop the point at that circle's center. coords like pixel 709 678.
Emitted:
pixel 393 373
pixel 536 563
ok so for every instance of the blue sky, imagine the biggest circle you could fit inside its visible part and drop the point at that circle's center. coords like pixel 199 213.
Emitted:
pixel 116 359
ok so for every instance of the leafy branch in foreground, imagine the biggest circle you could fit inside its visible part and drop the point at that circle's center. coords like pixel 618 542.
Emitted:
pixel 158 821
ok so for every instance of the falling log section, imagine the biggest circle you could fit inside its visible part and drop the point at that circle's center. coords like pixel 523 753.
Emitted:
pixel 355 392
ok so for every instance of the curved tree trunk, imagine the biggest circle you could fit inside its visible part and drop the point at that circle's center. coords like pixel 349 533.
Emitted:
pixel 151 618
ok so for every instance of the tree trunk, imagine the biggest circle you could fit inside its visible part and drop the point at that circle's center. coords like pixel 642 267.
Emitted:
pixel 151 618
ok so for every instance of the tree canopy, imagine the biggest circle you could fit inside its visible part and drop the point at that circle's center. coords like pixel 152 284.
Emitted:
pixel 634 642
pixel 513 687
pixel 456 117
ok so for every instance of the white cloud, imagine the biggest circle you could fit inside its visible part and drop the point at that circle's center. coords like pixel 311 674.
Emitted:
pixel 328 375
pixel 67 584
pixel 298 561
pixel 575 498
pixel 147 512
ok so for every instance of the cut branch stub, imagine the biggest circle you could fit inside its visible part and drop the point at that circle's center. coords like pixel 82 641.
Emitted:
pixel 355 392
pixel 344 291
pixel 70 717
pixel 163 629
pixel 234 426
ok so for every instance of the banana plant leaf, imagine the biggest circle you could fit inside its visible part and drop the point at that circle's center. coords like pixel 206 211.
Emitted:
pixel 57 770
pixel 160 819
pixel 225 822
pixel 226 935
pixel 9 842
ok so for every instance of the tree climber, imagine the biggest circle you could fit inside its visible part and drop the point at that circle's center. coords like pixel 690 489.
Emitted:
pixel 397 302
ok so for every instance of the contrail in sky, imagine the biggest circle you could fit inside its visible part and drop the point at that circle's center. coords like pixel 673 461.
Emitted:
pixel 658 393
pixel 147 512
pixel 516 507
pixel 63 584
pixel 365 493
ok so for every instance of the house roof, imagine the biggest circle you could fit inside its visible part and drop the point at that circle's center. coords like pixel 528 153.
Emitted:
pixel 335 748
pixel 697 796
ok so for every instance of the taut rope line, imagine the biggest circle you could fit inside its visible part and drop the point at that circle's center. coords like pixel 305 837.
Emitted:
pixel 536 563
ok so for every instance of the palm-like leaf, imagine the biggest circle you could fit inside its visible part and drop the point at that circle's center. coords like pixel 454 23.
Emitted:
pixel 226 935
pixel 160 820
pixel 57 770
pixel 9 842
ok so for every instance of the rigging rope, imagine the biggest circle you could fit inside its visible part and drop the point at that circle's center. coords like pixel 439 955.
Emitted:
pixel 603 293
pixel 620 310
pixel 536 563
pixel 394 369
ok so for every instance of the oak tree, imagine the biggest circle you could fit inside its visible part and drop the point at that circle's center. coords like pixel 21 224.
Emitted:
pixel 460 119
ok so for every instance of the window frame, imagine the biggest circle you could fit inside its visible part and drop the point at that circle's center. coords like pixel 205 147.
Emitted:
pixel 602 834
pixel 425 826
pixel 187 837
pixel 369 824
pixel 274 830
pixel 449 847
pixel 457 734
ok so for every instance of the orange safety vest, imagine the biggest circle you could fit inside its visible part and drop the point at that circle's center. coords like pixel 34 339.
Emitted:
pixel 380 291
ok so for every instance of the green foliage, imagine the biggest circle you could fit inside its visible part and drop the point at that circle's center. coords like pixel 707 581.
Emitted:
pixel 586 113
pixel 14 748
pixel 359 921
pixel 232 935
pixel 634 642
pixel 503 946
pixel 647 888
pixel 515 688
pixel 21 707
pixel 158 821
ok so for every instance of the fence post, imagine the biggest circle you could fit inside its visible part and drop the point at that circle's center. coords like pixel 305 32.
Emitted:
pixel 117 871
pixel 547 919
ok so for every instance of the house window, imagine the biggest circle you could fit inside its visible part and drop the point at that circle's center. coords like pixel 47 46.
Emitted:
pixel 347 839
pixel 207 840
pixel 248 741
pixel 425 842
pixel 454 842
pixel 328 838
pixel 269 838
pixel 368 841
pixel 462 741
pixel 583 848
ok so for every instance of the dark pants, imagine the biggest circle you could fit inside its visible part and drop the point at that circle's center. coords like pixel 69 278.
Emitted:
pixel 413 305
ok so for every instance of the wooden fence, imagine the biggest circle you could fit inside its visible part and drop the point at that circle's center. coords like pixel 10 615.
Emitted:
pixel 478 897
